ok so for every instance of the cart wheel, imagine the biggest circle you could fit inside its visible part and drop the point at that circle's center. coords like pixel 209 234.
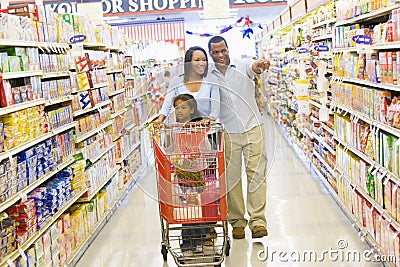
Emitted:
pixel 228 247
pixel 164 252
pixel 217 260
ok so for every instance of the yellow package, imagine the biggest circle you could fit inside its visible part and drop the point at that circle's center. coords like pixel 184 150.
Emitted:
pixel 10 119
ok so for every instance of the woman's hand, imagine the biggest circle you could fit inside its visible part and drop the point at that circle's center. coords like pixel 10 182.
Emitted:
pixel 159 121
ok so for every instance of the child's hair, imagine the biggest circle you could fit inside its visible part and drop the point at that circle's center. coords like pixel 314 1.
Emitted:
pixel 191 101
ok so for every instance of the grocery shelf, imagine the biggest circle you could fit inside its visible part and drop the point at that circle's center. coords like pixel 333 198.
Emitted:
pixel 63 99
pixel 97 106
pixel 323 23
pixel 318 105
pixel 380 125
pixel 330 149
pixel 129 77
pixel 102 184
pixel 81 248
pixel 119 113
pixel 395 178
pixel 120 161
pixel 114 71
pixel 129 127
pixel 372 201
pixel 100 85
pixel 14 255
pixel 118 137
pixel 368 83
pixel 94 45
pixel 102 154
pixel 93 132
pixel 143 125
pixel 21 74
pixel 117 92
pixel 56 74
pixel 140 95
pixel 115 48
pixel 95 86
pixel 22 147
pixel 356 224
pixel 327 128
pixel 19 43
pixel 64 128
pixel 18 107
pixel 391 45
pixel 346 49
pixel 322 37
pixel 9 202
pixel 322 160
pixel 368 16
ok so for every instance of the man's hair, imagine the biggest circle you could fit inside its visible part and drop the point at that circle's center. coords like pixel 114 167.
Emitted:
pixel 216 39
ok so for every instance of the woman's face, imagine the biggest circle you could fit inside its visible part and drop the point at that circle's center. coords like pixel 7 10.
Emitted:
pixel 199 62
pixel 183 111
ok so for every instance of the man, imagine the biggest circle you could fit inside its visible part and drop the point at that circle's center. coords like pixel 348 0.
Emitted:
pixel 244 137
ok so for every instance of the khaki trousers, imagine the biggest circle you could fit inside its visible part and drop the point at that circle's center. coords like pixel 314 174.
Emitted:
pixel 250 145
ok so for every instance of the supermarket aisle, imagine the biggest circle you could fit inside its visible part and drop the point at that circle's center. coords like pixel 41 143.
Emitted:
pixel 302 218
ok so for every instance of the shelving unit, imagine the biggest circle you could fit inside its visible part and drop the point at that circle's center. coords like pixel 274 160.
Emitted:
pixel 309 136
pixel 100 186
pixel 18 107
pixel 57 101
pixel 17 253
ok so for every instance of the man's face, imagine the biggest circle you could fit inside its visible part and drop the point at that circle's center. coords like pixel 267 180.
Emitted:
pixel 220 53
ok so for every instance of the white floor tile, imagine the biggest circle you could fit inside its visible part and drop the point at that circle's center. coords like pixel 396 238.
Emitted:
pixel 302 218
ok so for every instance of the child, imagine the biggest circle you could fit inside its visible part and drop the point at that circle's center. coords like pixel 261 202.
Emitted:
pixel 192 239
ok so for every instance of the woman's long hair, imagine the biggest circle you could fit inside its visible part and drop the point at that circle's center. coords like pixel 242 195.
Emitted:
pixel 187 67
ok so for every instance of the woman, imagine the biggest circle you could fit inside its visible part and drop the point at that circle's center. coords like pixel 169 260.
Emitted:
pixel 193 81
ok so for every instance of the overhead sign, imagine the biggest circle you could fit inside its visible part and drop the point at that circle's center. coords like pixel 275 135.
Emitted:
pixel 216 9
pixel 124 6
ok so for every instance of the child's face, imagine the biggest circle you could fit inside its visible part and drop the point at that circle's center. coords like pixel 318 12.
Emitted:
pixel 183 111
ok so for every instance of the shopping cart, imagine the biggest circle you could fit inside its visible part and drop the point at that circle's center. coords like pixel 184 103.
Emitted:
pixel 190 167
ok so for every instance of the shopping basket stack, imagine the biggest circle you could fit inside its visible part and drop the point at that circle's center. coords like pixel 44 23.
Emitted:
pixel 190 167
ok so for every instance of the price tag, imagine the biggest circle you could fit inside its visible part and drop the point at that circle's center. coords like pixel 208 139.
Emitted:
pixel 386 181
pixel 10 158
pixel 395 235
pixel 23 255
pixel 371 168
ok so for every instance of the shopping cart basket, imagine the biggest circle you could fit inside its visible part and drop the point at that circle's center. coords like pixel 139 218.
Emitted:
pixel 190 169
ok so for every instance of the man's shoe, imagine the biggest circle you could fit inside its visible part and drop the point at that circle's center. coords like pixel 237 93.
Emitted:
pixel 259 231
pixel 238 233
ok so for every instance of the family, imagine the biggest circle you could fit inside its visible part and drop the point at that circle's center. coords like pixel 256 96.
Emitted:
pixel 224 92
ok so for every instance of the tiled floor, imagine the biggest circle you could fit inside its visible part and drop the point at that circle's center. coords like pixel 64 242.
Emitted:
pixel 303 219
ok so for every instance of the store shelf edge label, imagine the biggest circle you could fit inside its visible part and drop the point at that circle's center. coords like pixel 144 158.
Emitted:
pixel 322 48
pixel 302 50
pixel 80 38
pixel 362 39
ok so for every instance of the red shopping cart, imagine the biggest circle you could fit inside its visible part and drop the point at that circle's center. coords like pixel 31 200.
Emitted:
pixel 190 169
